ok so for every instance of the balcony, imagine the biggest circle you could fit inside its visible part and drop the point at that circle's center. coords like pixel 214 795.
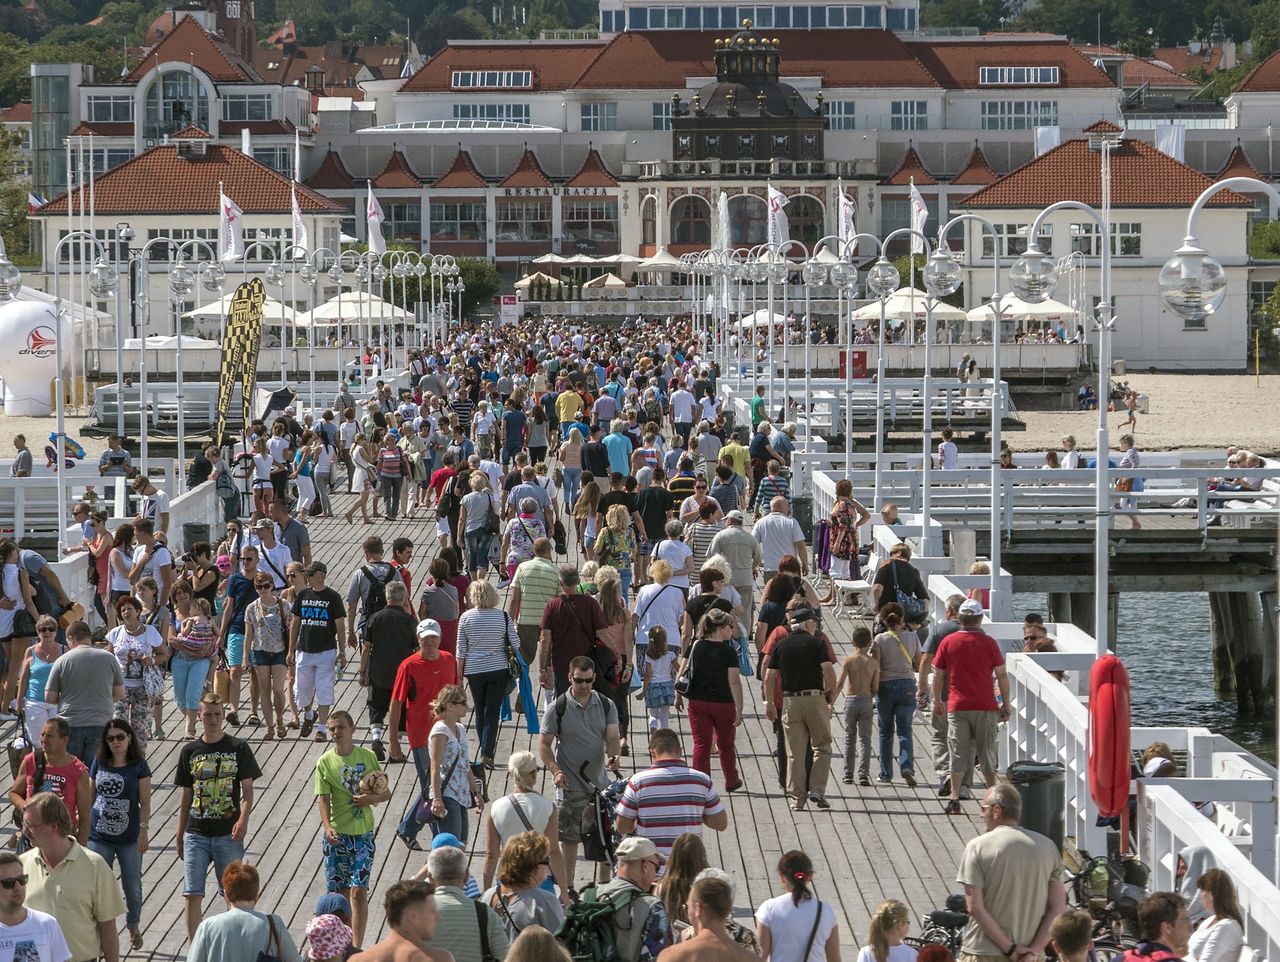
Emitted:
pixel 746 169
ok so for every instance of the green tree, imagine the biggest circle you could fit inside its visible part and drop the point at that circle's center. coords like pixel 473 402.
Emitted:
pixel 13 199
pixel 481 280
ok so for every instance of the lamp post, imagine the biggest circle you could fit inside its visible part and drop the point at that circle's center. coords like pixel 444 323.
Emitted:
pixel 124 234
pixel 845 276
pixel 784 250
pixel 944 276
pixel 182 280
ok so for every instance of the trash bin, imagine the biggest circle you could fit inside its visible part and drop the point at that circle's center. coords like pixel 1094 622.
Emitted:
pixel 802 511
pixel 1043 787
pixel 193 532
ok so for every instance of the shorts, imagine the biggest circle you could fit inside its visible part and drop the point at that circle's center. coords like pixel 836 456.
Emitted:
pixel 570 817
pixel 442 525
pixel 267 659
pixel 199 851
pixel 971 733
pixel 348 862
pixel 314 676
pixel 235 649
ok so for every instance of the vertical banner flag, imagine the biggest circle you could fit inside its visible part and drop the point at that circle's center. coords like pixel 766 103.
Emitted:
pixel 722 211
pixel 230 228
pixel 240 345
pixel 919 217
pixel 300 238
pixel 374 214
pixel 779 229
pixel 845 228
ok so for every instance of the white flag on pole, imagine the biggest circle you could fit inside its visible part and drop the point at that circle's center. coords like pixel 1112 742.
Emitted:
pixel 845 228
pixel 919 217
pixel 230 228
pixel 301 240
pixel 722 211
pixel 374 216
pixel 779 229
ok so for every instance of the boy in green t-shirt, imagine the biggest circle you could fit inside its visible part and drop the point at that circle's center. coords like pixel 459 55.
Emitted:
pixel 347 815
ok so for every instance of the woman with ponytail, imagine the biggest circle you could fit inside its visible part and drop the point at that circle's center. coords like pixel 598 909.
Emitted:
pixel 797 926
pixel 889 926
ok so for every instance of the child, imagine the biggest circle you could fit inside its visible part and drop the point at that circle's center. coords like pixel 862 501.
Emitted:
pixel 889 926
pixel 192 663
pixel 860 678
pixel 1072 935
pixel 659 687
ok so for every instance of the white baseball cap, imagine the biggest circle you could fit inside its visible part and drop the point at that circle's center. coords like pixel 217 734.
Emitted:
pixel 428 626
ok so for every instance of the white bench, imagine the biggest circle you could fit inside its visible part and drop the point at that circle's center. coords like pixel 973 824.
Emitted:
pixel 854 595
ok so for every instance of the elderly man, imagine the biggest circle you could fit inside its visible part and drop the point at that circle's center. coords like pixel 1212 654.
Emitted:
pixel 536 582
pixel 641 925
pixel 803 665
pixel 459 929
pixel 962 670
pixel 1012 880
pixel 779 534
pixel 69 882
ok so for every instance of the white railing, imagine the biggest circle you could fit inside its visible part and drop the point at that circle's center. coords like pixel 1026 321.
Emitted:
pixel 29 506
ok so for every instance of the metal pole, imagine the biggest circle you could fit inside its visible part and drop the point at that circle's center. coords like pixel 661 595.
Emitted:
pixel 926 389
pixel 880 373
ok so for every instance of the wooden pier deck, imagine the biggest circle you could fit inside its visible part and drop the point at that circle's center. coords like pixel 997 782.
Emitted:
pixel 874 843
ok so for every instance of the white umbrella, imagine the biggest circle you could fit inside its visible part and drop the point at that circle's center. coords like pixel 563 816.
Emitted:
pixel 619 259
pixel 536 278
pixel 354 306
pixel 761 319
pixel 1012 307
pixel 578 259
pixel 606 280
pixel 662 261
pixel 169 342
pixel 549 259
pixel 273 311
pixel 907 302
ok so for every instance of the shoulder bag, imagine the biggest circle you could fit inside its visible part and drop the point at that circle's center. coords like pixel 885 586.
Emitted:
pixel 273 939
pixel 912 607
pixel 685 681
pixel 813 932
pixel 605 659
pixel 423 809
pixel 482 920
pixel 38 762
pixel 492 523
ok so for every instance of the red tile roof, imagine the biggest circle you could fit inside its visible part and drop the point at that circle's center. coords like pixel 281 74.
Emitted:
pixel 331 174
pixel 462 174
pixel 1141 176
pixel 160 182
pixel 911 168
pixel 1134 73
pixel 528 173
pixel 1263 78
pixel 1103 126
pixel 663 59
pixel 104 128
pixel 397 175
pixel 19 113
pixel 592 173
pixel 956 65
pixel 1239 165
pixel 342 63
pixel 555 66
pixel 1183 61
pixel 263 127
pixel 1092 50
pixel 976 172
pixel 191 43
pixel 192 133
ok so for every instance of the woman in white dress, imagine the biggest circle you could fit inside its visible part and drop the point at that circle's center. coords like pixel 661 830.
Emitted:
pixel 362 479
pixel 1221 935
pixel 524 810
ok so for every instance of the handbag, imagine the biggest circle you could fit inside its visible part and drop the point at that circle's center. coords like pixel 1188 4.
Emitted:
pixel 515 662
pixel 38 762
pixel 24 626
pixel 265 955
pixel 422 811
pixel 912 607
pixel 561 538
pixel 606 661
pixel 492 523
pixel 685 680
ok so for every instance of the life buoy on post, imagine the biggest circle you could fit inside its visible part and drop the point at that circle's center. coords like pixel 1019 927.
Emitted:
pixel 1109 731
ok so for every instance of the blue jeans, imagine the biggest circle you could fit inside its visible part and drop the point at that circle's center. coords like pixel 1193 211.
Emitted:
pixel 198 851
pixel 572 485
pixel 478 543
pixel 624 575
pixel 130 874
pixel 84 742
pixel 189 676
pixel 895 704
pixel 488 689
pixel 455 818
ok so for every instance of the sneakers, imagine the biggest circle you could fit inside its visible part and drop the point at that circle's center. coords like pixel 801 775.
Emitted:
pixel 864 781
pixel 820 801
pixel 910 779
pixel 848 778
pixel 379 749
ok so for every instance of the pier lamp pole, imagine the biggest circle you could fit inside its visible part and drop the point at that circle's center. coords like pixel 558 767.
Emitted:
pixel 946 278
pixel 182 280
pixel 784 250
pixel 1034 278
pixel 846 275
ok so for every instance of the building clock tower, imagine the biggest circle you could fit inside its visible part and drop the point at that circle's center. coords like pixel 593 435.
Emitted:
pixel 235 21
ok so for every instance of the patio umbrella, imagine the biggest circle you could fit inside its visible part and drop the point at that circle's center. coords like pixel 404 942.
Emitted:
pixel 761 319
pixel 549 259
pixel 354 306
pixel 907 302
pixel 1012 307
pixel 606 280
pixel 661 261
pixel 537 277
pixel 273 312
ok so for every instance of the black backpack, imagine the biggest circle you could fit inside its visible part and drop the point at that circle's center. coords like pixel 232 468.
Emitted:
pixel 587 929
pixel 376 598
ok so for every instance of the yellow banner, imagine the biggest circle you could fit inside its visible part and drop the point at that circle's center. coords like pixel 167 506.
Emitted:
pixel 240 346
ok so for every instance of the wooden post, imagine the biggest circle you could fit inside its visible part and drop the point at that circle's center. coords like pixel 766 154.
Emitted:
pixel 1220 633
pixel 1241 657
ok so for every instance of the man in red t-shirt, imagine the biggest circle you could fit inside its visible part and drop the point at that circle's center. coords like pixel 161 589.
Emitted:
pixel 418 680
pixel 963 666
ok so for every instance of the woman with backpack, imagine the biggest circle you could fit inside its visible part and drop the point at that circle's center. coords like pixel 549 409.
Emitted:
pixel 615 546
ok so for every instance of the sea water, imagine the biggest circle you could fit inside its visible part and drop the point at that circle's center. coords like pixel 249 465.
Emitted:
pixel 1163 639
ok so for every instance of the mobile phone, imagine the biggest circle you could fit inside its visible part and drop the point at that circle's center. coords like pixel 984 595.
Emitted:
pixel 679 926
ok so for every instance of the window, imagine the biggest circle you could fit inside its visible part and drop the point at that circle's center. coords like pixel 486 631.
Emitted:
pixel 162 253
pixel 403 222
pixel 492 79
pixel 1019 114
pixel 691 221
pixel 1013 239
pixel 519 113
pixel 782 17
pixel 1126 239
pixel 649 220
pixel 747 220
pixel 637 18
pixel 692 18
pixel 909 115
pixel 870 17
pixel 662 115
pixel 458 222
pixel 600 116
pixel 903 19
pixel 247 107
pixel 840 115
pixel 176 100
pixel 804 218
pixel 102 159
pixel 279 159
pixel 1017 76
pixel 113 108
pixel 818 17
pixel 524 219
pixel 591 220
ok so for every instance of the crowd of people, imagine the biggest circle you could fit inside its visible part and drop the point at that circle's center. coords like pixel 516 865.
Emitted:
pixel 510 453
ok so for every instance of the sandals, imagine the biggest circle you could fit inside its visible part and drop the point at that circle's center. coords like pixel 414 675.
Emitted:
pixel 254 720
pixel 270 736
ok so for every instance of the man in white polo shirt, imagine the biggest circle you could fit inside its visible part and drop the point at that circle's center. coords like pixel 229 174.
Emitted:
pixel 669 799
pixel 780 534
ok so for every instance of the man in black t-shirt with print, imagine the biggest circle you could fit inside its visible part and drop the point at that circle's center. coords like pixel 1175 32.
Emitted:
pixel 808 679
pixel 315 634
pixel 215 773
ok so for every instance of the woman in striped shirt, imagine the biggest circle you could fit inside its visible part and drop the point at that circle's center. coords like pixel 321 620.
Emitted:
pixel 484 634
pixel 699 535
pixel 390 475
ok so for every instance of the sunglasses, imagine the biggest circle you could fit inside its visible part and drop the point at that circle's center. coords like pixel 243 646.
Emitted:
pixel 46 631
pixel 118 737
pixel 583 681
pixel 9 883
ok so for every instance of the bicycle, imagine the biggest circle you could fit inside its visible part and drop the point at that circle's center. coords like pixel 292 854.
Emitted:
pixel 1109 890
pixel 943 926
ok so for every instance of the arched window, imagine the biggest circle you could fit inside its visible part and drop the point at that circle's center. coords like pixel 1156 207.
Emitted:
pixel 804 217
pixel 747 220
pixel 176 100
pixel 691 221
pixel 648 220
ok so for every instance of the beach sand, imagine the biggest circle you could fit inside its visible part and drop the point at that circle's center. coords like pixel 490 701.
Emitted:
pixel 1187 411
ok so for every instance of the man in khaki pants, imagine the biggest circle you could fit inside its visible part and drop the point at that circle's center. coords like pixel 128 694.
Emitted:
pixel 802 663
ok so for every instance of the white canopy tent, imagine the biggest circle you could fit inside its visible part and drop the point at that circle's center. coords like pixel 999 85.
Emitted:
pixel 1012 307
pixel 623 259
pixel 662 261
pixel 273 312
pixel 537 277
pixel 549 259
pixel 169 342
pixel 610 280
pixel 350 306
pixel 907 302
pixel 760 318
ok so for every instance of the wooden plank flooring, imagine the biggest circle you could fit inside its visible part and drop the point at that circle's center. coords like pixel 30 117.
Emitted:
pixel 875 843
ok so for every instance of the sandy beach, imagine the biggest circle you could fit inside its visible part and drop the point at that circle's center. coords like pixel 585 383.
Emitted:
pixel 1187 411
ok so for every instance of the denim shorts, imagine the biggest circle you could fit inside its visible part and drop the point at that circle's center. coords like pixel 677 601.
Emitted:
pixel 265 659
pixel 235 649
pixel 199 851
